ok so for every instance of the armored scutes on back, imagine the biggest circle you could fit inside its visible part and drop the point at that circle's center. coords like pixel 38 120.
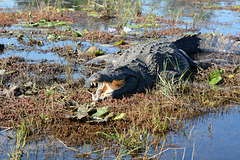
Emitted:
pixel 137 69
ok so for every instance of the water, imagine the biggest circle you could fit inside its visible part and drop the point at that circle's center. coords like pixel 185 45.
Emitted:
pixel 213 137
pixel 217 136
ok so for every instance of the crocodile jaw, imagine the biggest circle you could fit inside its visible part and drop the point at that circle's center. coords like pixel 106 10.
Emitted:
pixel 106 89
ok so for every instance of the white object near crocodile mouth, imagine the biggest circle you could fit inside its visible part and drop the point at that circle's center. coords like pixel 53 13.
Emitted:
pixel 106 89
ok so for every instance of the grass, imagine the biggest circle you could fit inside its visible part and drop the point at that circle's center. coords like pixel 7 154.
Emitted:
pixel 149 116
pixel 22 132
pixel 175 17
pixel 154 112
pixel 233 7
pixel 132 140
pixel 122 10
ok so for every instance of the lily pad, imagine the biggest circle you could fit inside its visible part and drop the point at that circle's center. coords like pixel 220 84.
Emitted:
pixel 87 113
pixel 101 112
pixel 81 115
pixel 215 77
pixel 101 120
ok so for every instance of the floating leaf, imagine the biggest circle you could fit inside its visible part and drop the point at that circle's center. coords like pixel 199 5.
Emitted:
pixel 118 43
pixel 78 34
pixel 96 120
pixel 99 53
pixel 109 116
pixel 40 43
pixel 81 115
pixel 101 112
pixel 82 109
pixel 215 77
pixel 91 111
pixel 119 117
pixel 20 37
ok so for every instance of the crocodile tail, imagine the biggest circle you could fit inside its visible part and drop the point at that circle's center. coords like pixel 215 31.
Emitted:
pixel 189 44
pixel 212 43
pixel 208 43
pixel 205 63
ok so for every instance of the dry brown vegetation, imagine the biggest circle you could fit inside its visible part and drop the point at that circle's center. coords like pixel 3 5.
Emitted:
pixel 157 111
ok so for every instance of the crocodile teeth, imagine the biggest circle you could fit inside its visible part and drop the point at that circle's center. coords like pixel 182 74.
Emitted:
pixel 106 89
pixel 100 85
pixel 94 84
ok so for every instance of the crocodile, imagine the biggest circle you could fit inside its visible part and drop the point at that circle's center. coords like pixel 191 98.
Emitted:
pixel 138 68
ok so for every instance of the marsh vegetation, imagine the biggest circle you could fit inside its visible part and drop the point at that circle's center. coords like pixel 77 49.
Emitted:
pixel 43 103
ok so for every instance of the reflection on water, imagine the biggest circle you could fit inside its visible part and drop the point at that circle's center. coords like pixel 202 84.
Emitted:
pixel 226 21
pixel 34 3
pixel 213 137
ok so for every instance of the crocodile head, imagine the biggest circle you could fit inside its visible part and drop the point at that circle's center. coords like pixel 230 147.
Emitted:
pixel 113 82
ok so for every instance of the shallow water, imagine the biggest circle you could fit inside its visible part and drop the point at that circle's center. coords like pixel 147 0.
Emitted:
pixel 213 137
pixel 216 136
